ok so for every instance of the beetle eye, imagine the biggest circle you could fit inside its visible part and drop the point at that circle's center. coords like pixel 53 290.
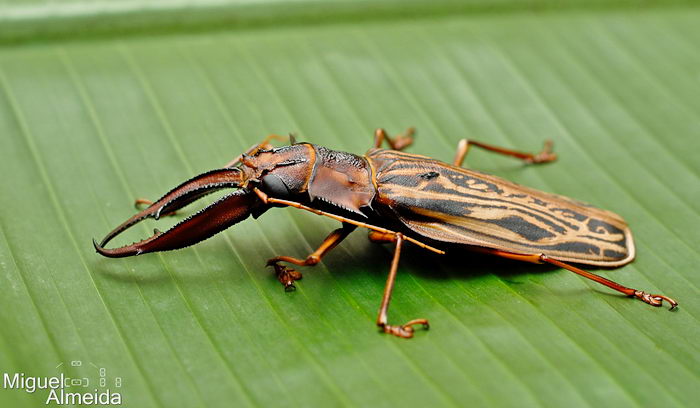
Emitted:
pixel 274 186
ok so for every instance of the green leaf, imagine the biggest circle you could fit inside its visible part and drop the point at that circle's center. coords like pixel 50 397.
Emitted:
pixel 92 120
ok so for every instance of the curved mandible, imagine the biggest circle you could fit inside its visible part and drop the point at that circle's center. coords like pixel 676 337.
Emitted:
pixel 187 192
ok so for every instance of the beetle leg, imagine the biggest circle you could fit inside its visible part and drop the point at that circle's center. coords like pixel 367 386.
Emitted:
pixel 405 330
pixel 287 275
pixel 270 200
pixel 265 144
pixel 544 156
pixel 399 142
pixel 381 237
pixel 654 300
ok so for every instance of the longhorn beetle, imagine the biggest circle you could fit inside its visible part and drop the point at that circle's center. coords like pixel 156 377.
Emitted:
pixel 398 197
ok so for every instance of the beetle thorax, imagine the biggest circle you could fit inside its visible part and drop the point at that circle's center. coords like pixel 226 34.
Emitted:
pixel 341 179
pixel 309 173
pixel 283 172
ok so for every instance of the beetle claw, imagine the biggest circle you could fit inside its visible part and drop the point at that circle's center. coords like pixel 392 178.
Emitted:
pixel 544 156
pixel 655 300
pixel 405 330
pixel 285 275
pixel 403 140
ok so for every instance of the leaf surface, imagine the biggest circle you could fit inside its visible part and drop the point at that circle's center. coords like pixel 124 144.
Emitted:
pixel 90 123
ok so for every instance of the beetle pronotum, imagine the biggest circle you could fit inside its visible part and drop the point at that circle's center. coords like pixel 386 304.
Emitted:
pixel 399 197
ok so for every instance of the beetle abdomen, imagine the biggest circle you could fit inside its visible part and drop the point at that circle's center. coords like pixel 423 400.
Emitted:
pixel 457 205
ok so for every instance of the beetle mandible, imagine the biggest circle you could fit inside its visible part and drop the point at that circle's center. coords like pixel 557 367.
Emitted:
pixel 399 197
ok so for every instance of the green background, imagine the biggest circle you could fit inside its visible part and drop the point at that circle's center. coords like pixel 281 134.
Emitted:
pixel 102 102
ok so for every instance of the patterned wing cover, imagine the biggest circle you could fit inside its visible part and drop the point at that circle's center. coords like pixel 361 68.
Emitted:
pixel 457 205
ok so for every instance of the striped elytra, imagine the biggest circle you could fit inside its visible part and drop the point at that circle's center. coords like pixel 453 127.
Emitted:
pixel 457 205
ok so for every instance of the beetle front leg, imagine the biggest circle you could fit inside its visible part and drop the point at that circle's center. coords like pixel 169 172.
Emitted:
pixel 399 142
pixel 544 156
pixel 405 330
pixel 287 275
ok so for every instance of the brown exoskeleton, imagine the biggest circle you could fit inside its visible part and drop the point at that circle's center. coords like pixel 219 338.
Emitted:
pixel 398 197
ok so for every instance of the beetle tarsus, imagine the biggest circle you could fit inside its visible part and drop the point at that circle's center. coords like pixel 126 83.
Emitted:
pixel 655 300
pixel 405 330
pixel 285 275
pixel 545 156
pixel 403 140
pixel 398 142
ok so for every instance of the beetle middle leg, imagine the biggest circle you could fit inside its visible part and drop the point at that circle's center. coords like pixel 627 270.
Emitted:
pixel 287 275
pixel 544 156
pixel 405 330
pixel 382 235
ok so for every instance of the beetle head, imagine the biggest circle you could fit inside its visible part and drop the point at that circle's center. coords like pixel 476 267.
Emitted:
pixel 282 172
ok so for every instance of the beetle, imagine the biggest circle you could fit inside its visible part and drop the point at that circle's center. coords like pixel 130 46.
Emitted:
pixel 399 197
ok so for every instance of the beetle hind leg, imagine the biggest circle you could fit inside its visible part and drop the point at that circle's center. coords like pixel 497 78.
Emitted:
pixel 654 300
